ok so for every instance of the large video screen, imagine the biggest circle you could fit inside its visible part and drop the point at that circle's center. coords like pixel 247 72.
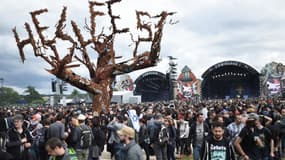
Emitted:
pixel 274 86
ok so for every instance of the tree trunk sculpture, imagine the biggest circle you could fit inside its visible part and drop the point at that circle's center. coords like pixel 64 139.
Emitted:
pixel 103 74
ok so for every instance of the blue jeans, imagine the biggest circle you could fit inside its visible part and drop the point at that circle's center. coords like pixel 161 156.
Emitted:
pixel 34 152
pixel 170 152
pixel 266 158
pixel 160 151
pixel 196 153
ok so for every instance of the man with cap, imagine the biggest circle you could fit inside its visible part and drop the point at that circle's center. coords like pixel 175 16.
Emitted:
pixel 80 130
pixel 247 142
pixel 19 140
pixel 132 150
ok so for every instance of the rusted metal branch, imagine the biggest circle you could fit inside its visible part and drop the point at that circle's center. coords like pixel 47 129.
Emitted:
pixel 93 16
pixel 113 18
pixel 40 29
pixel 61 25
pixel 141 25
pixel 103 75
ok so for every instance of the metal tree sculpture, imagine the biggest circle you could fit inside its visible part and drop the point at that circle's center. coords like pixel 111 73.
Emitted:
pixel 103 74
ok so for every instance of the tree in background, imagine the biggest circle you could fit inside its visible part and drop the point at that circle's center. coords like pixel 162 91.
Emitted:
pixel 75 95
pixel 32 95
pixel 8 96
pixel 103 72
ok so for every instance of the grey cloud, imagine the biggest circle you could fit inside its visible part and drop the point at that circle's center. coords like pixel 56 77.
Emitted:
pixel 229 15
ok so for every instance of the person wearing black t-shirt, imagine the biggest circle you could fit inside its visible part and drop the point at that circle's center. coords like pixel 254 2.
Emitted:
pixel 217 147
pixel 265 141
pixel 247 142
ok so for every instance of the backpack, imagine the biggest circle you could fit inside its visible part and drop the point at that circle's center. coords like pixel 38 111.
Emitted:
pixel 32 130
pixel 42 137
pixel 86 137
pixel 163 136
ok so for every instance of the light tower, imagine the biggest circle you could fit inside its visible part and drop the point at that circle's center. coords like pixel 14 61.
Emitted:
pixel 172 72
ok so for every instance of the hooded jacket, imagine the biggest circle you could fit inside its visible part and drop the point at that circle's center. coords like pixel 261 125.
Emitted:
pixel 153 128
pixel 14 144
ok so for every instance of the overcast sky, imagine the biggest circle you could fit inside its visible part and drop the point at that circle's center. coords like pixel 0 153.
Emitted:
pixel 208 32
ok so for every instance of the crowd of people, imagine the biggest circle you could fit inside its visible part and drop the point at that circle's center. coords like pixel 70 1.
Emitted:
pixel 237 129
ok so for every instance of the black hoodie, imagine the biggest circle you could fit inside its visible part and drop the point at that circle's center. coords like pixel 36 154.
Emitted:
pixel 15 146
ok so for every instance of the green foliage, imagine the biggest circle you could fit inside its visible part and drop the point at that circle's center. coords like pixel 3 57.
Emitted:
pixel 8 96
pixel 75 93
pixel 38 101
pixel 31 94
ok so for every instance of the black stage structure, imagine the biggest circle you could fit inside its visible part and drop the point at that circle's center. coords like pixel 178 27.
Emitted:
pixel 230 79
pixel 153 86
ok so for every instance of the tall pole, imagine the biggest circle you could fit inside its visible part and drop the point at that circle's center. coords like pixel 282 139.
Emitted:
pixel 173 75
